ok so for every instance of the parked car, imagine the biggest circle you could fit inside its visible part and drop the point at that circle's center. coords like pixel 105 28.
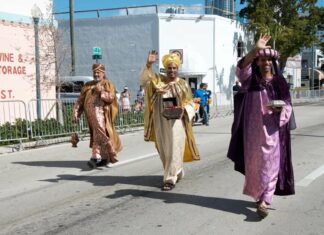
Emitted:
pixel 70 86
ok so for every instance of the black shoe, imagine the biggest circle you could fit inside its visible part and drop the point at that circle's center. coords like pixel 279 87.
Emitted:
pixel 92 163
pixel 103 162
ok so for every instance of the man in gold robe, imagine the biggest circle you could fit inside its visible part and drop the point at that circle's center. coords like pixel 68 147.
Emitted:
pixel 98 101
pixel 173 138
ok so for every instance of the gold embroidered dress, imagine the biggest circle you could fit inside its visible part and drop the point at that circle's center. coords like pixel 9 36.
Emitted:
pixel 173 138
pixel 101 109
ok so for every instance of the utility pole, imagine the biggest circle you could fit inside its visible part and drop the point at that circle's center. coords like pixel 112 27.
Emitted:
pixel 72 37
pixel 36 14
pixel 313 67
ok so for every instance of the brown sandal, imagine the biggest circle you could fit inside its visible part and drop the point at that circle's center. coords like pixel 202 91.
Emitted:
pixel 262 210
pixel 167 186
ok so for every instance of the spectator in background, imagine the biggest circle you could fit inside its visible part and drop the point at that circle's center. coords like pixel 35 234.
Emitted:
pixel 139 102
pixel 236 88
pixel 203 95
pixel 117 95
pixel 209 102
pixel 125 100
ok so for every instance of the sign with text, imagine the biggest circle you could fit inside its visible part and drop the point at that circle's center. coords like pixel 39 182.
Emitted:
pixel 17 64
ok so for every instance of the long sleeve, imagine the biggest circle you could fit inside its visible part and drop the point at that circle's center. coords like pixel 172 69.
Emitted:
pixel 244 74
pixel 107 97
pixel 285 114
pixel 287 109
pixel 78 107
pixel 284 92
pixel 146 75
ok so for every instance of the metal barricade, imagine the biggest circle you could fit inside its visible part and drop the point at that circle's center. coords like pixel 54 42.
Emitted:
pixel 54 120
pixel 301 96
pixel 129 120
pixel 66 111
pixel 13 121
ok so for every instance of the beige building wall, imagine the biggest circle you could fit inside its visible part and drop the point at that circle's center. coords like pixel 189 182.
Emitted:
pixel 17 63
pixel 17 60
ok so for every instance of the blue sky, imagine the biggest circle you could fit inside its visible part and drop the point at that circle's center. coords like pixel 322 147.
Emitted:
pixel 63 5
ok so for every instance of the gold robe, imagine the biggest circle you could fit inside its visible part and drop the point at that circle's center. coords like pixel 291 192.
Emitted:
pixel 154 83
pixel 109 106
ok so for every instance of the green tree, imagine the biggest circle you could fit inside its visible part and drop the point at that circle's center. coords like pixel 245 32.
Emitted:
pixel 291 23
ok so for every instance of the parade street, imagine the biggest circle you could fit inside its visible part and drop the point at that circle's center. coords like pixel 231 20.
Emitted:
pixel 51 190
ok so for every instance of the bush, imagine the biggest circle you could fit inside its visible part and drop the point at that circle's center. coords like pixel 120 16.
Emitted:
pixel 10 133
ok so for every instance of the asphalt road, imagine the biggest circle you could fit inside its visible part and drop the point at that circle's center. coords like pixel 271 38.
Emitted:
pixel 51 191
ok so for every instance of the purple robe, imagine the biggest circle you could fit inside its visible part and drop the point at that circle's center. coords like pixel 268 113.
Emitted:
pixel 260 145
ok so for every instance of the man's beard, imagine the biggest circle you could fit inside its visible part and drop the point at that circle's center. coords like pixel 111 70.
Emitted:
pixel 97 79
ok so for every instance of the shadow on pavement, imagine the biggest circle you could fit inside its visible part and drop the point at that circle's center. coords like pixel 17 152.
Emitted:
pixel 107 180
pixel 59 164
pixel 224 204
pixel 212 133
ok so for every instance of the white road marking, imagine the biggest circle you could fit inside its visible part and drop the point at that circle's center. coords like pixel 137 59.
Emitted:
pixel 311 177
pixel 133 159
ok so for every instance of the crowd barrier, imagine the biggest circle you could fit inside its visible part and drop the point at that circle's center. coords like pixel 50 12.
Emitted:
pixel 13 121
pixel 306 95
pixel 52 118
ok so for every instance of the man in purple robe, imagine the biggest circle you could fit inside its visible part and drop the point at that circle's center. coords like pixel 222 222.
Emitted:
pixel 260 144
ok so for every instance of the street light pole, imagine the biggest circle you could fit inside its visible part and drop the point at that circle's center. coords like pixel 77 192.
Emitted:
pixel 36 13
pixel 313 67
pixel 72 37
